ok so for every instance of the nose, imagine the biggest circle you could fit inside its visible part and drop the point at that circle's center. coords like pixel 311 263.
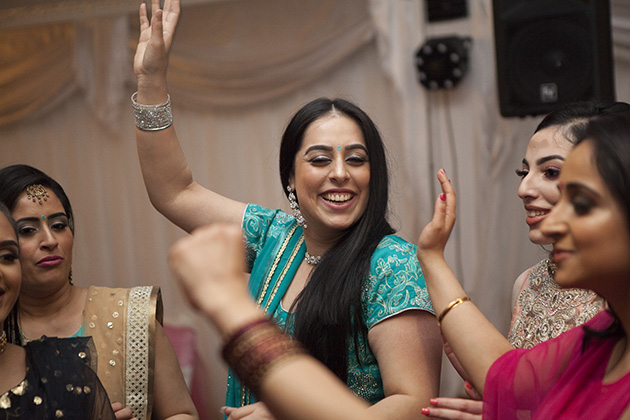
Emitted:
pixel 527 188
pixel 339 171
pixel 48 240
pixel 554 226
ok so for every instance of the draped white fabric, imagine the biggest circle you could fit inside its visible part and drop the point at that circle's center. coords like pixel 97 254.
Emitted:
pixel 239 69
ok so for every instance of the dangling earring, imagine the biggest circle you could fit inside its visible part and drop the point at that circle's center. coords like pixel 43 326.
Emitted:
pixel 296 208
pixel 70 277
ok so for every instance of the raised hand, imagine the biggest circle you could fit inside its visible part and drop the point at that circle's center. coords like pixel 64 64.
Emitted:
pixel 209 265
pixel 435 234
pixel 156 36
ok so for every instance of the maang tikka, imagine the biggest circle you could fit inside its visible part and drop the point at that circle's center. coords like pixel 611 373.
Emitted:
pixel 296 208
pixel 36 192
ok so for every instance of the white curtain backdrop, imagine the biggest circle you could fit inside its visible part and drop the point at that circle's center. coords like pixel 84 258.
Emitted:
pixel 239 69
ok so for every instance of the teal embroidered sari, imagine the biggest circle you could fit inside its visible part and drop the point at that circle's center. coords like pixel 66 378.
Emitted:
pixel 275 245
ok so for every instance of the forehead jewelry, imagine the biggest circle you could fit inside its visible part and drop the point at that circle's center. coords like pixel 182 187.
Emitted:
pixel 43 217
pixel 338 147
pixel 36 192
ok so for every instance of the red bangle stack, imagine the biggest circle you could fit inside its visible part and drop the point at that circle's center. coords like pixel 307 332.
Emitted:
pixel 257 347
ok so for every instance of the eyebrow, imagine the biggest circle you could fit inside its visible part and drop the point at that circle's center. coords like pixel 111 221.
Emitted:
pixel 34 219
pixel 577 187
pixel 356 146
pixel 544 159
pixel 9 242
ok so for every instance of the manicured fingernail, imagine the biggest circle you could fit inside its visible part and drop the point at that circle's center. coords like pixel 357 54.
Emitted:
pixel 468 385
pixel 443 197
pixel 433 401
pixel 449 180
pixel 222 410
pixel 425 411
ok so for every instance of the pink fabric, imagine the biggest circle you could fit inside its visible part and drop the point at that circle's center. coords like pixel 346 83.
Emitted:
pixel 556 380
pixel 184 341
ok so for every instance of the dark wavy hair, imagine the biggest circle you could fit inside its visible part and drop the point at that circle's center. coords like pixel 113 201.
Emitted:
pixel 10 324
pixel 329 308
pixel 610 136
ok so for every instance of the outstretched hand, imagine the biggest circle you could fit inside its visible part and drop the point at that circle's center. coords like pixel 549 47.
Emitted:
pixel 435 234
pixel 156 36
pixel 209 265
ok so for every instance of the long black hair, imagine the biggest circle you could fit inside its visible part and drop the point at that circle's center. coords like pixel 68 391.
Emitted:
pixel 610 136
pixel 329 308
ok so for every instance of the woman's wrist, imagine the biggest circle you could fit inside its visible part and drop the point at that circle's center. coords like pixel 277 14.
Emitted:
pixel 152 91
pixel 232 315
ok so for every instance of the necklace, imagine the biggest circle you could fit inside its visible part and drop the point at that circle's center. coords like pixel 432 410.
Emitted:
pixel 3 342
pixel 311 259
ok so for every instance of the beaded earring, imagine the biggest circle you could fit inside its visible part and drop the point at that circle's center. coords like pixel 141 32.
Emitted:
pixel 296 208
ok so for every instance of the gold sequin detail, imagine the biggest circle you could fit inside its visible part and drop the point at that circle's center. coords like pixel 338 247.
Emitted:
pixel 544 310
pixel 59 414
pixel 37 400
pixel 20 389
pixel 5 401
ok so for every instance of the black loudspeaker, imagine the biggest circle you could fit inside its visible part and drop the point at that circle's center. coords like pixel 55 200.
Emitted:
pixel 550 52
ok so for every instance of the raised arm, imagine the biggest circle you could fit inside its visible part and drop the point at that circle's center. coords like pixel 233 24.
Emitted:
pixel 208 265
pixel 474 340
pixel 167 177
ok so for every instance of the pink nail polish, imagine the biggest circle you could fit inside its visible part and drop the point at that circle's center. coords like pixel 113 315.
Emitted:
pixel 425 411
pixel 433 401
pixel 468 385
pixel 443 197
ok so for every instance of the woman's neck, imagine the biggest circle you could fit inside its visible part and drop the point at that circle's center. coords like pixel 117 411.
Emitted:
pixel 58 314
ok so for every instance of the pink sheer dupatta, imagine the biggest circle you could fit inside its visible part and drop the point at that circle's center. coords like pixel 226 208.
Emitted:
pixel 557 380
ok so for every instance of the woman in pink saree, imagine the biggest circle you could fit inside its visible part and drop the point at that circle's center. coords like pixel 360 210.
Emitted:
pixel 585 372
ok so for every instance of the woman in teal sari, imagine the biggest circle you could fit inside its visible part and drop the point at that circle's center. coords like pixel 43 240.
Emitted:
pixel 332 273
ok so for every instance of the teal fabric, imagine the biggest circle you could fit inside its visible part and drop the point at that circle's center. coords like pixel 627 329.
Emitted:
pixel 276 249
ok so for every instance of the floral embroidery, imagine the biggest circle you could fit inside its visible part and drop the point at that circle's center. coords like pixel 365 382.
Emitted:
pixel 543 310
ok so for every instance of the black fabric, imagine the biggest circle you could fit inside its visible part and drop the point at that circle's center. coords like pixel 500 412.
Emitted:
pixel 59 383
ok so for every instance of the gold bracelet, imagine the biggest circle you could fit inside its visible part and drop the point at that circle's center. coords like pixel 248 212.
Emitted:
pixel 451 306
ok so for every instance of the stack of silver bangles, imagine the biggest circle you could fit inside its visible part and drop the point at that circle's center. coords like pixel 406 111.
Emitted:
pixel 152 117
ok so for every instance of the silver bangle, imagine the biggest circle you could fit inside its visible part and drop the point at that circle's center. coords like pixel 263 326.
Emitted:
pixel 152 117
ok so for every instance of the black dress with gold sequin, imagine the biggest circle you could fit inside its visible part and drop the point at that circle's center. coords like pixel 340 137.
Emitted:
pixel 59 383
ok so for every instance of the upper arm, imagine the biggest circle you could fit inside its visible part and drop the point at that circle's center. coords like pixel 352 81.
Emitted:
pixel 196 206
pixel 408 349
pixel 170 393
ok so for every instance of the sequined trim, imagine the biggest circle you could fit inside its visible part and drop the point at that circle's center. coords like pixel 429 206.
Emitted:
pixel 137 368
pixel 543 310
pixel 272 270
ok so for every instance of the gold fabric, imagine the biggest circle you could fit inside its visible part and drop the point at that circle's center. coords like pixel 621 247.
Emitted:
pixel 122 323
pixel 543 310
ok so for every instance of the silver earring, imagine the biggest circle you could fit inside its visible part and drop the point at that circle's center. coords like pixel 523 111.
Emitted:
pixel 296 208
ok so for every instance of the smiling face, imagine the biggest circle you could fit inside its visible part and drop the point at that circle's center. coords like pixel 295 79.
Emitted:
pixel 331 175
pixel 590 229
pixel 543 162
pixel 10 271
pixel 46 244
